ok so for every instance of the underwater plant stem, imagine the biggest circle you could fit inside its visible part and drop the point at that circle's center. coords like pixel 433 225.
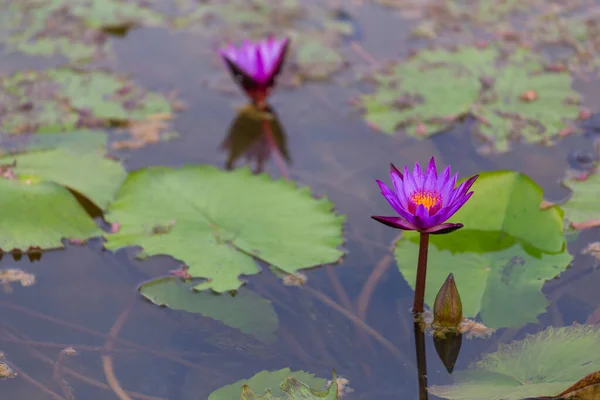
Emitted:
pixel 364 54
pixel 58 377
pixel 37 384
pixel 276 153
pixel 419 302
pixel 360 323
pixel 90 381
pixel 339 288
pixel 364 298
pixel 421 360
pixel 162 354
pixel 107 362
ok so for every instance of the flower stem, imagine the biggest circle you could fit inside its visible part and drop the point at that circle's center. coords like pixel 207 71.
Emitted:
pixel 421 274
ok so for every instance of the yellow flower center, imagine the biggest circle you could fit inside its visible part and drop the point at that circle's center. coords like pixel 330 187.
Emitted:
pixel 428 199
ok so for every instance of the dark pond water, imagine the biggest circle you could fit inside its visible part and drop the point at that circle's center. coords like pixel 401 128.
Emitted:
pixel 82 292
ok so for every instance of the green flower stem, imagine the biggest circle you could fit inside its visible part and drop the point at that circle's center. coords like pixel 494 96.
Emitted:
pixel 421 274
pixel 421 359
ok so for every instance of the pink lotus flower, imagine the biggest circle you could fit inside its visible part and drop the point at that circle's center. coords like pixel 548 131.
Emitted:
pixel 424 202
pixel 255 65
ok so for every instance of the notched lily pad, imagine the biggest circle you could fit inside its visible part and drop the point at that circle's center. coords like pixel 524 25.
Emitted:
pixel 65 99
pixel 529 367
pixel 220 220
pixel 246 311
pixel 37 206
pixel 502 257
pixel 511 96
pixel 279 385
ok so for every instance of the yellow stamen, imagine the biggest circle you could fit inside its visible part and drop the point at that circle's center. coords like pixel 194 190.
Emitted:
pixel 428 199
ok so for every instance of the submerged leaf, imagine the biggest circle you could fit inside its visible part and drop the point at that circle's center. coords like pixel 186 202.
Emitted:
pixel 247 311
pixel 264 381
pixel 547 362
pixel 221 220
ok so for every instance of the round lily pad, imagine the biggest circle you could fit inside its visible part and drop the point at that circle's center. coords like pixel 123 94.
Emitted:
pixel 543 364
pixel 217 222
pixel 39 215
pixel 278 383
pixel 497 278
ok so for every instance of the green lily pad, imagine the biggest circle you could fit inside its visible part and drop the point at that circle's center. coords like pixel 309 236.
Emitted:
pixel 282 384
pixel 40 215
pixel 511 96
pixel 497 278
pixel 246 311
pixel 89 173
pixel 216 222
pixel 509 202
pixel 70 28
pixel 539 365
pixel 64 99
pixel 506 251
pixel 582 206
pixel 113 14
pixel 38 207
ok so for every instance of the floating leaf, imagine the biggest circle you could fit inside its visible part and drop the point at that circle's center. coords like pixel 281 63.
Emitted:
pixel 89 173
pixel 509 202
pixel 65 99
pixel 246 311
pixel 495 275
pixel 216 221
pixel 73 29
pixel 428 92
pixel 39 215
pixel 278 382
pixel 548 362
pixel 582 207
pixel 37 208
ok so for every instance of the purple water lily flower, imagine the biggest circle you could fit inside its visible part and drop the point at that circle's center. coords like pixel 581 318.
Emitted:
pixel 424 201
pixel 255 65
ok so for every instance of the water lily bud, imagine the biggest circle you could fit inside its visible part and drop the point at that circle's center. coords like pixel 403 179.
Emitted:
pixel 447 309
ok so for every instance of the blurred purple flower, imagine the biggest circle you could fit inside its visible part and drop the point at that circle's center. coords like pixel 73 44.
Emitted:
pixel 255 65
pixel 424 202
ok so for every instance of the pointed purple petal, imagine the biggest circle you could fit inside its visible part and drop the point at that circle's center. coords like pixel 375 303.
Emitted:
pixel 397 181
pixel 410 186
pixel 261 72
pixel 278 61
pixel 443 228
pixel 422 220
pixel 449 211
pixel 396 171
pixel 418 176
pixel 395 222
pixel 466 185
pixel 390 196
pixel 431 178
